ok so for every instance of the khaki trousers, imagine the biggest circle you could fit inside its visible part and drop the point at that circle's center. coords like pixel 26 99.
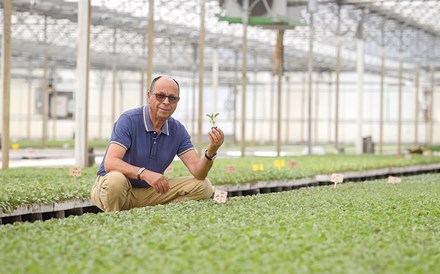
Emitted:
pixel 113 192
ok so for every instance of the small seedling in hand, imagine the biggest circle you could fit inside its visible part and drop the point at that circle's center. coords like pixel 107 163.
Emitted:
pixel 213 119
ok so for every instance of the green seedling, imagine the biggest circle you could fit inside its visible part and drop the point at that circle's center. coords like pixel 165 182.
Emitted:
pixel 213 119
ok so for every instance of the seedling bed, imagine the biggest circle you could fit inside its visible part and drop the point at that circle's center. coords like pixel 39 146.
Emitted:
pixel 60 210
pixel 373 227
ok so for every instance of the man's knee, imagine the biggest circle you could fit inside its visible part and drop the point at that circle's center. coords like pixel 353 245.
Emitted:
pixel 115 182
pixel 206 189
pixel 114 189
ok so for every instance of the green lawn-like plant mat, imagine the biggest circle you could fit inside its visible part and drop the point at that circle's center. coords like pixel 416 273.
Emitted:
pixel 369 227
pixel 23 186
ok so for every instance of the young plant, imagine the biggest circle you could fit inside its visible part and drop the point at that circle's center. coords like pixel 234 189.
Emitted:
pixel 213 119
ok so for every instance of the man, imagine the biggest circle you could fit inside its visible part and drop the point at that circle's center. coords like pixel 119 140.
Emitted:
pixel 143 143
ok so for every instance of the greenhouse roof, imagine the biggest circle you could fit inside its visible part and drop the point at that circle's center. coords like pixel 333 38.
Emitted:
pixel 405 29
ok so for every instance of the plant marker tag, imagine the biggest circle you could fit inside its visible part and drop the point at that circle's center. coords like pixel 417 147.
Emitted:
pixel 337 178
pixel 30 152
pixel 293 164
pixel 394 180
pixel 74 171
pixel 220 196
pixel 427 153
pixel 279 164
pixel 230 169
pixel 257 167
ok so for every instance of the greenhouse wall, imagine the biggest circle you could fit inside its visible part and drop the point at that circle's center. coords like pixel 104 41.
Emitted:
pixel 261 106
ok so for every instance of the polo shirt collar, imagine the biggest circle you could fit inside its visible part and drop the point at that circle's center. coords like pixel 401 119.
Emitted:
pixel 149 125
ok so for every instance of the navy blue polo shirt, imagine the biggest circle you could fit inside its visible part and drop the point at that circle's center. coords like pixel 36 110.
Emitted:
pixel 146 148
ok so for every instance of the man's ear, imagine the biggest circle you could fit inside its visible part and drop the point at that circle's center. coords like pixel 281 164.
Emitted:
pixel 148 97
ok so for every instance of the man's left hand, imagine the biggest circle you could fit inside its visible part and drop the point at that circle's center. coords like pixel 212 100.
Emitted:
pixel 216 139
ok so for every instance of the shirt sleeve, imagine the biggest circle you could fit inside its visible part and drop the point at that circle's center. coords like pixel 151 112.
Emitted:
pixel 121 134
pixel 186 144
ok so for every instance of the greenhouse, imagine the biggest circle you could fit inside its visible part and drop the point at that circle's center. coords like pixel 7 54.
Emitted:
pixel 284 136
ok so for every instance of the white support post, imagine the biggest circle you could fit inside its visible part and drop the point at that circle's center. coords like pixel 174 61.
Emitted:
pixel 6 79
pixel 82 83
pixel 360 82
pixel 244 77
pixel 214 79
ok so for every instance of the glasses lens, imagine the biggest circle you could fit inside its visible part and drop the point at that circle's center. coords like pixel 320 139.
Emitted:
pixel 173 99
pixel 160 96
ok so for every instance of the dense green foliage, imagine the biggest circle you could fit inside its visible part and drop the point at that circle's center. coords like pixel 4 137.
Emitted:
pixel 370 227
pixel 23 186
pixel 70 143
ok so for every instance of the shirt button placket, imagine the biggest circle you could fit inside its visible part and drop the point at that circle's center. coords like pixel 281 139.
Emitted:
pixel 153 154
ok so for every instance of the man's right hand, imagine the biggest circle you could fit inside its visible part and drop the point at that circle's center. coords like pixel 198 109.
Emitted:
pixel 156 181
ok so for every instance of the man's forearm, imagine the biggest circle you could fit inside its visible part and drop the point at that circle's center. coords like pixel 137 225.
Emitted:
pixel 203 168
pixel 125 168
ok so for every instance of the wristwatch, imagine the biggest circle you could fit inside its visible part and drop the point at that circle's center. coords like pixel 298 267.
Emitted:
pixel 142 169
pixel 210 158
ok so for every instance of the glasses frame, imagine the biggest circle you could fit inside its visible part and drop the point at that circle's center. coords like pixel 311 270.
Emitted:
pixel 171 98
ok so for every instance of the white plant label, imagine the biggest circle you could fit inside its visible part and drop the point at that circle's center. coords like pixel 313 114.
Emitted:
pixel 394 180
pixel 337 178
pixel 74 171
pixel 220 196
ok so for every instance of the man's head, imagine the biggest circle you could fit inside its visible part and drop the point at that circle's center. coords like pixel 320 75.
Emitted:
pixel 163 97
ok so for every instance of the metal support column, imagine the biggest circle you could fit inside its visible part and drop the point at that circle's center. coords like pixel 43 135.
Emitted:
pixel 382 86
pixel 399 102
pixel 6 79
pixel 29 101
pixel 330 103
pixel 45 89
pixel 416 103
pixel 170 57
pixel 143 84
pixel 254 102
pixel 431 126
pixel 194 89
pixel 416 99
pixel 337 72
pixel 303 108
pixel 235 92
pixel 360 83
pixel 54 114
pixel 201 75
pixel 288 103
pixel 280 38
pixel 101 104
pixel 244 77
pixel 316 108
pixel 214 79
pixel 312 9
pixel 150 35
pixel 82 83
pixel 431 123
pixel 114 77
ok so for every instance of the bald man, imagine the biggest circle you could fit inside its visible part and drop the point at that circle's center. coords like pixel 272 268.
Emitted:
pixel 143 144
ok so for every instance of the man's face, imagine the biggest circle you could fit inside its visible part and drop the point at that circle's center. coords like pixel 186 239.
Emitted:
pixel 162 108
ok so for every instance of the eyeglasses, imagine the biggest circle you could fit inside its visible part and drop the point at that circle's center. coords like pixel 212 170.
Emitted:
pixel 161 97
